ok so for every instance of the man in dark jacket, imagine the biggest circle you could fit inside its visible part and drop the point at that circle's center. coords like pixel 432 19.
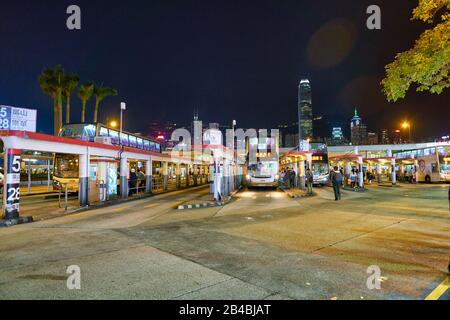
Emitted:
pixel 336 179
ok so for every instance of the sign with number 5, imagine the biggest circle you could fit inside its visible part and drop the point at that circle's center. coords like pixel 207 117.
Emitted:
pixel 12 184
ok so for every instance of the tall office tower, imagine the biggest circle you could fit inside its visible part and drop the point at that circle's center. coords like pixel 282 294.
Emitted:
pixel 385 136
pixel 372 138
pixel 305 113
pixel 359 130
pixel 337 136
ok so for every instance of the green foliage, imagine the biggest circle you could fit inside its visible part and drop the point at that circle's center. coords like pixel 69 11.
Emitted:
pixel 85 93
pixel 100 94
pixel 427 64
pixel 51 81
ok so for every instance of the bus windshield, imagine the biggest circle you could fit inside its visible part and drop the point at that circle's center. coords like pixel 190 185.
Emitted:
pixel 66 166
pixel 264 169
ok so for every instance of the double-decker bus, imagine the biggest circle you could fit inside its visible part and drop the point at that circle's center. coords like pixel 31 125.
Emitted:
pixel 66 170
pixel 263 166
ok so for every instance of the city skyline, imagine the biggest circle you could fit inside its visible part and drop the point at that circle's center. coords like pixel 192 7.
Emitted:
pixel 182 66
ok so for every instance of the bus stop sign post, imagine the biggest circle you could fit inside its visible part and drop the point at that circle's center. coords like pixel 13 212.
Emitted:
pixel 11 194
pixel 12 187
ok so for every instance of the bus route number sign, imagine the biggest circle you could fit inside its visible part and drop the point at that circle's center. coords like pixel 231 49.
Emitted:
pixel 12 185
pixel 12 118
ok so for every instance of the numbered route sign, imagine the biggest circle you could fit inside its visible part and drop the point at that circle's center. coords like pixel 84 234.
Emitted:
pixel 20 119
pixel 12 184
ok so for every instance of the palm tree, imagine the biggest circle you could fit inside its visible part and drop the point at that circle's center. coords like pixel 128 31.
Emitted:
pixel 51 83
pixel 85 93
pixel 101 93
pixel 69 84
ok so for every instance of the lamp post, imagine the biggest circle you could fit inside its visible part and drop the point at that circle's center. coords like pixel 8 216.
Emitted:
pixel 407 125
pixel 123 107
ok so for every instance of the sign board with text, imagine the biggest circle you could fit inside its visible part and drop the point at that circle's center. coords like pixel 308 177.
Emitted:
pixel 20 119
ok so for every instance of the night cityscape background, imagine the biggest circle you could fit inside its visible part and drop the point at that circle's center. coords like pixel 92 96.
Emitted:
pixel 226 60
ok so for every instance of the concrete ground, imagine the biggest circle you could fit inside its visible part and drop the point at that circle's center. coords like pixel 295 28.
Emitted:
pixel 263 245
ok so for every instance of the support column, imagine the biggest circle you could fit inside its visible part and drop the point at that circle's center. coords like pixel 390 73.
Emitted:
pixel 416 170
pixel 309 157
pixel 84 180
pixel 165 173
pixel 178 175
pixel 297 178
pixel 360 172
pixel 393 173
pixel 302 175
pixel 124 171
pixel 379 173
pixel 148 176
pixel 195 175
pixel 348 171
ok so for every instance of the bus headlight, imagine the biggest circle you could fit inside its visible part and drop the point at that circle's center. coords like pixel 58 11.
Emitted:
pixel 248 177
pixel 277 177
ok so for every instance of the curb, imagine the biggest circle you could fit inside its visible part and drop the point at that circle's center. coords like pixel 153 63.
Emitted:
pixel 15 222
pixel 200 206
pixel 299 196
pixel 209 204
pixel 359 190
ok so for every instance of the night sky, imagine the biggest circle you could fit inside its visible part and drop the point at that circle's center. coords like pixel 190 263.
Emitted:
pixel 229 59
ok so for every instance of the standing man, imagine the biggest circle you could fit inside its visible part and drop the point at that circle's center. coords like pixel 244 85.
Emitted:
pixel 336 179
pixel 309 181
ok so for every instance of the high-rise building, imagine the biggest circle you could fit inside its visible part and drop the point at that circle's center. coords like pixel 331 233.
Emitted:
pixel 372 138
pixel 337 136
pixel 385 136
pixel 305 113
pixel 358 130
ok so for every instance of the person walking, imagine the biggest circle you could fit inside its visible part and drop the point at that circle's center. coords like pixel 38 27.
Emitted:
pixel 309 181
pixel 293 178
pixel 288 178
pixel 336 179
pixel 353 179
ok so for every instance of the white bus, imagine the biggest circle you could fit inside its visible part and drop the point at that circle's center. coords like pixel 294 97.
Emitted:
pixel 433 164
pixel 263 167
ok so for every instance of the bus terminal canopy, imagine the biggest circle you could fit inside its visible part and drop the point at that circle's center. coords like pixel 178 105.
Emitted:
pixel 295 156
pixel 23 140
pixel 346 157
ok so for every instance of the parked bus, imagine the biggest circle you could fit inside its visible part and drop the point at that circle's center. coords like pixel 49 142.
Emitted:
pixel 433 164
pixel 320 168
pixel 66 170
pixel 262 167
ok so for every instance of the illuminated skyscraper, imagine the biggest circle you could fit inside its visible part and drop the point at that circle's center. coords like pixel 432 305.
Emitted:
pixel 305 113
pixel 358 130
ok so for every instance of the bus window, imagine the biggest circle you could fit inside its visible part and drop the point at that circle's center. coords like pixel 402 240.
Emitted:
pixel 66 166
pixel 140 143
pixel 133 141
pixel 124 139
pixel 146 145
pixel 104 132
pixel 114 137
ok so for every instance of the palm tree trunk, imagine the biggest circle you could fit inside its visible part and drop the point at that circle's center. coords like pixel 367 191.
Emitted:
pixel 97 104
pixel 83 111
pixel 60 115
pixel 68 110
pixel 55 118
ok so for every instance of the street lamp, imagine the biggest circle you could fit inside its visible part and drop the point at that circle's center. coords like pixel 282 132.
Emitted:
pixel 123 107
pixel 407 125
pixel 113 124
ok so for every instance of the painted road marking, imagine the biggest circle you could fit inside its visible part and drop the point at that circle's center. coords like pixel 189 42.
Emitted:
pixel 440 290
pixel 97 210
pixel 152 205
